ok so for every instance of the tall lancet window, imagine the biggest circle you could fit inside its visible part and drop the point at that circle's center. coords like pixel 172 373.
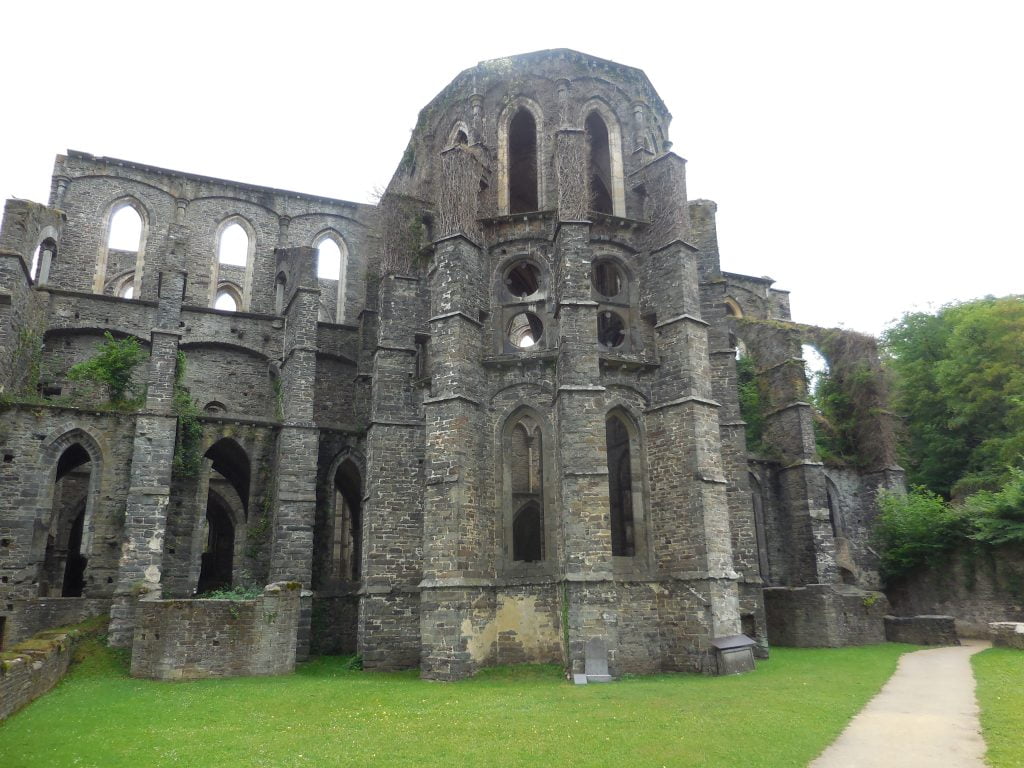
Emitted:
pixel 526 481
pixel 522 163
pixel 600 167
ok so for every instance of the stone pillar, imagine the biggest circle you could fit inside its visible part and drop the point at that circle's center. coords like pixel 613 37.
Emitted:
pixel 580 413
pixel 291 557
pixel 458 521
pixel 389 624
pixel 572 163
pixel 61 187
pixel 732 430
pixel 140 568
pixel 789 433
pixel 690 513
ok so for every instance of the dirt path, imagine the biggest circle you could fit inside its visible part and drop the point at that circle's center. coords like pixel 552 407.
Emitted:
pixel 925 716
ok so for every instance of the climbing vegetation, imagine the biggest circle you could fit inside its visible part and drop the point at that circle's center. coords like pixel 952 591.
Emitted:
pixel 752 402
pixel 111 368
pixel 187 457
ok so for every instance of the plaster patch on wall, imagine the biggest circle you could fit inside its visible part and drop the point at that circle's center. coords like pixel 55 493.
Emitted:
pixel 518 619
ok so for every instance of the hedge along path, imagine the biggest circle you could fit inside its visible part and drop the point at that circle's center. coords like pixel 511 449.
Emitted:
pixel 926 715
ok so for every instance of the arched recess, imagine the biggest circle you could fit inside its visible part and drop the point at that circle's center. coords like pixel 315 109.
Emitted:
pixel 732 307
pixel 124 286
pixel 225 516
pixel 67 509
pixel 625 484
pixel 280 291
pixel 45 256
pixel 331 273
pixel 233 261
pixel 526 528
pixel 458 135
pixel 521 170
pixel 605 138
pixel 338 529
pixel 228 298
pixel 124 217
pixel 346 522
pixel 835 509
pixel 816 367
pixel 760 533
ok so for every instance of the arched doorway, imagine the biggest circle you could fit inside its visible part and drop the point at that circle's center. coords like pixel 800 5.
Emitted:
pixel 67 542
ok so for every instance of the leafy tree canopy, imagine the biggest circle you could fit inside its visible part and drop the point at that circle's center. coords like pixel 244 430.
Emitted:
pixel 960 389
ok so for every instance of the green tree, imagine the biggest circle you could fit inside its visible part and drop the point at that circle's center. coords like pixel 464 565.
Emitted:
pixel 111 367
pixel 960 389
pixel 915 529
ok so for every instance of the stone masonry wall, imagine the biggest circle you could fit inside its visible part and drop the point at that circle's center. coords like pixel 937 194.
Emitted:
pixel 825 615
pixel 32 668
pixel 35 615
pixel 976 588
pixel 193 639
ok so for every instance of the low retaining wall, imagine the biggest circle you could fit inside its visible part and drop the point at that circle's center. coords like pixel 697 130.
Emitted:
pixel 33 667
pixel 32 616
pixel 193 639
pixel 1007 634
pixel 974 587
pixel 824 616
pixel 921 630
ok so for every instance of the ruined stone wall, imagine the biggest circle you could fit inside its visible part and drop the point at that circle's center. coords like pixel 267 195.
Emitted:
pixel 195 639
pixel 237 380
pixel 32 440
pixel 31 669
pixel 560 88
pixel 975 587
pixel 38 614
pixel 825 615
pixel 91 188
pixel 22 310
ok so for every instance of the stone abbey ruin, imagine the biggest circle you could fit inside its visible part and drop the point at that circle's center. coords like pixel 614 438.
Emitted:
pixel 493 419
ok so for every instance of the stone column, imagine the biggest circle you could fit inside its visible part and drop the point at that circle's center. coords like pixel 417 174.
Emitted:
pixel 580 412
pixel 140 568
pixel 458 522
pixel 291 557
pixel 789 433
pixel 389 624
pixel 689 509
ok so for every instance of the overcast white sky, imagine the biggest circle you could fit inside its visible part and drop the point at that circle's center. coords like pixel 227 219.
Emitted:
pixel 868 156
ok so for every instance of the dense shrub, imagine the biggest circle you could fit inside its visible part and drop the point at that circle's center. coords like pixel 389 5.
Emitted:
pixel 111 367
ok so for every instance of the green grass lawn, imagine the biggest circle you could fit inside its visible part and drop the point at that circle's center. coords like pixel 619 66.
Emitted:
pixel 783 714
pixel 999 673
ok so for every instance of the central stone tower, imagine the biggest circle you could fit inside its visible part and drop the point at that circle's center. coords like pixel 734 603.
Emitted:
pixel 545 444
